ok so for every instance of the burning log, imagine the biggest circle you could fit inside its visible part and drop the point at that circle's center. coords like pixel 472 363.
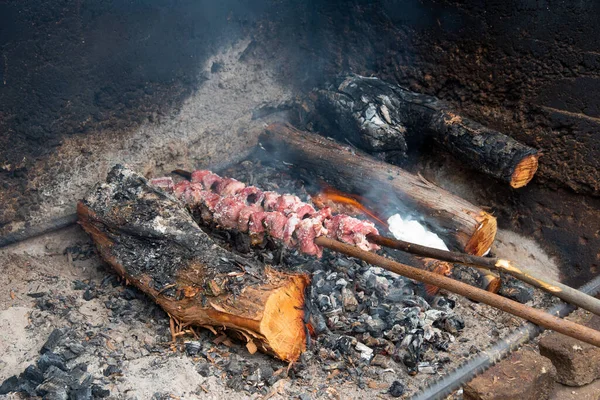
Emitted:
pixel 467 227
pixel 379 117
pixel 154 243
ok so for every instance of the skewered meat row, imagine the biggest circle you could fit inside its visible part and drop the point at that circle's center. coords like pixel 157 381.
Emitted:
pixel 233 205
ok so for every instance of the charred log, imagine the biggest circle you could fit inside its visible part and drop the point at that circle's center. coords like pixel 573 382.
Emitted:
pixel 381 117
pixel 467 227
pixel 153 242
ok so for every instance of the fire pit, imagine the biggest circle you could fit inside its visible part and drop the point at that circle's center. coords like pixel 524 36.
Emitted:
pixel 221 196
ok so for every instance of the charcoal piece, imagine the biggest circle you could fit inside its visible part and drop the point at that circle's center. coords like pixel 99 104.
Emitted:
pixel 236 383
pixel 234 366
pixel 52 341
pixel 79 285
pixel 76 348
pixel 375 326
pixel 89 294
pixel 50 359
pixel 100 392
pixel 450 323
pixel 267 372
pixel 58 375
pixel 344 344
pixel 192 348
pixel 130 293
pixel 396 389
pixel 53 389
pixel 10 385
pixel 516 290
pixel 443 303
pixel 203 369
pixel 83 393
pixel 324 302
pixel 349 301
pixel 111 370
pixel 33 374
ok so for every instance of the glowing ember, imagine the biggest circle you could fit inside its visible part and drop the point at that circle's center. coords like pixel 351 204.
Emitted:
pixel 344 203
pixel 412 231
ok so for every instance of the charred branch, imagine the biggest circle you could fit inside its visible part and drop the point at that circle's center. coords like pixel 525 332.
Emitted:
pixel 381 117
pixel 150 239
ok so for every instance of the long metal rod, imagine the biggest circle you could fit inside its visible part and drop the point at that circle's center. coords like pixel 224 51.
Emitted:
pixel 447 384
pixel 531 314
pixel 555 288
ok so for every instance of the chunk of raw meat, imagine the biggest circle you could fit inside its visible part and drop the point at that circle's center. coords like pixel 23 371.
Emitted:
pixel 287 203
pixel 304 210
pixel 270 201
pixel 180 188
pixel 246 213
pixel 275 224
pixel 227 212
pixel 290 227
pixel 165 183
pixel 251 195
pixel 352 231
pixel 309 229
pixel 198 175
pixel 210 181
pixel 229 187
pixel 193 195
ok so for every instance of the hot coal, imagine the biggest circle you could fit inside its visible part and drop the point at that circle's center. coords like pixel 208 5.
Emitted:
pixel 396 389
pixel 52 341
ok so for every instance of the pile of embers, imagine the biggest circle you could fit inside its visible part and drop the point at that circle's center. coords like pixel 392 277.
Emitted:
pixel 358 313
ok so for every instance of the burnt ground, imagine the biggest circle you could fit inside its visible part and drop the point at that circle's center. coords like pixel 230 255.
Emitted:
pixel 69 326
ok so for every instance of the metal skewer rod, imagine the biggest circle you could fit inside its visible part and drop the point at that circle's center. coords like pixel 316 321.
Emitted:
pixel 531 314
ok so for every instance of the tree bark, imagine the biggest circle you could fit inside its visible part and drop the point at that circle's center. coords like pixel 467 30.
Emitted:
pixel 381 117
pixel 154 243
pixel 464 226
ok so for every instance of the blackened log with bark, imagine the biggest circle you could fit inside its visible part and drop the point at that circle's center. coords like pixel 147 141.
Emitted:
pixel 465 226
pixel 382 117
pixel 150 239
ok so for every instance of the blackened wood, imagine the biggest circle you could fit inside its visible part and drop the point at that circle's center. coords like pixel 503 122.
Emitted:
pixel 150 239
pixel 381 117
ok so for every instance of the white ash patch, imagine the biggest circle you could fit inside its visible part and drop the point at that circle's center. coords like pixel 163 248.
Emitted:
pixel 414 232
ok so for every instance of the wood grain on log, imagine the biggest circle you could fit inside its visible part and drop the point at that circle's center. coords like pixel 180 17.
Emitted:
pixel 153 242
pixel 381 117
pixel 464 226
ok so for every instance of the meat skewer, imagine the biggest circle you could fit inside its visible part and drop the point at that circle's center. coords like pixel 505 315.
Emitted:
pixel 297 224
pixel 233 205
pixel 531 314
pixel 564 292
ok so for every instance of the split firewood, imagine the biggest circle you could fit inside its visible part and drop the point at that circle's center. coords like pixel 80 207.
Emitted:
pixel 151 240
pixel 382 117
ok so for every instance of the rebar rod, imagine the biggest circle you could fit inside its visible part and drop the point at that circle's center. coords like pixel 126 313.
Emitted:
pixel 447 384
